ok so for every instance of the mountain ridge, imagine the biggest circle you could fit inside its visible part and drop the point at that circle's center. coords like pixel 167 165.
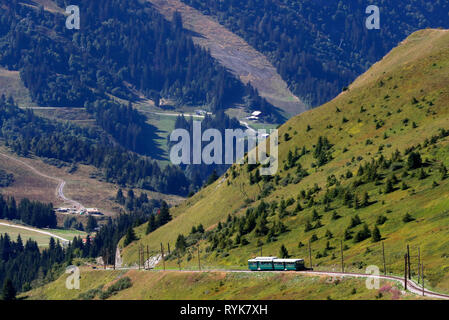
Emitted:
pixel 407 104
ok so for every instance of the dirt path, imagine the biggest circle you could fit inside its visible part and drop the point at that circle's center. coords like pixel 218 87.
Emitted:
pixel 61 183
pixel 234 53
pixel 35 230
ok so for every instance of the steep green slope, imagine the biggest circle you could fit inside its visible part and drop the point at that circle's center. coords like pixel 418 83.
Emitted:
pixel 401 104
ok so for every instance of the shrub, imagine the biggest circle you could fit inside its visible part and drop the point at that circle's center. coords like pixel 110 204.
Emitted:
pixel 407 218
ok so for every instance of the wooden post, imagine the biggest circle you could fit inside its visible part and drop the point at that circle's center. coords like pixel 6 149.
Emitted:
pixel 405 272
pixel 179 260
pixel 199 261
pixel 168 245
pixel 140 256
pixel 148 255
pixel 408 262
pixel 383 255
pixel 310 256
pixel 143 257
pixel 114 261
pixel 342 260
pixel 162 253
pixel 422 278
pixel 419 264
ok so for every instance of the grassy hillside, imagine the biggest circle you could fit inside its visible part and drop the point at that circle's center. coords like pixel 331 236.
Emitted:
pixel 215 285
pixel 399 104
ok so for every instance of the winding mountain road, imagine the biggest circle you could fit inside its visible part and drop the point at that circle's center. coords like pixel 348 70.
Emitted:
pixel 61 183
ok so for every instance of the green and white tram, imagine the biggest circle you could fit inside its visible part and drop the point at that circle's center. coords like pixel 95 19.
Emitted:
pixel 275 264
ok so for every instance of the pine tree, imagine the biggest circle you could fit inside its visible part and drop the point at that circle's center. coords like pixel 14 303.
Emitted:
pixel 9 292
pixel 181 243
pixel 130 236
pixel 119 197
pixel 365 200
pixel 389 186
pixel 164 214
pixel 283 252
pixel 376 234
pixel 151 226
pixel 91 224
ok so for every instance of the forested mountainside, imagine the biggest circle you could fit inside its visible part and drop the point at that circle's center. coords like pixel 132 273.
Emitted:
pixel 27 134
pixel 121 44
pixel 206 173
pixel 369 166
pixel 320 46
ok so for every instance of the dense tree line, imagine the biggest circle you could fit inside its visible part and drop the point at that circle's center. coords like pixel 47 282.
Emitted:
pixel 120 41
pixel 320 46
pixel 33 213
pixel 126 125
pixel 27 133
pixel 200 173
pixel 6 179
pixel 26 266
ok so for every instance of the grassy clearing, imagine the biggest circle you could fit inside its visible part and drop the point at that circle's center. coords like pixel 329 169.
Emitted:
pixel 41 239
pixel 12 85
pixel 373 117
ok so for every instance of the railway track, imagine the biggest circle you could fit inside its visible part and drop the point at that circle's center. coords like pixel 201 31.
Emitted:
pixel 412 286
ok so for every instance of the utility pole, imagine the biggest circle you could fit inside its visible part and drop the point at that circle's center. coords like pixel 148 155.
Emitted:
pixel 162 253
pixel 179 260
pixel 140 256
pixel 168 245
pixel 383 256
pixel 310 256
pixel 419 264
pixel 342 261
pixel 261 251
pixel 199 261
pixel 148 255
pixel 422 278
pixel 405 272
pixel 408 261
pixel 143 257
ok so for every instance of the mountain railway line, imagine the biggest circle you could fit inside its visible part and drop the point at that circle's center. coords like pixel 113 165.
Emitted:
pixel 412 286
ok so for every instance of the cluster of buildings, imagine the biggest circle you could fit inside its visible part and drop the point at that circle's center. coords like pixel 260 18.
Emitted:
pixel 82 211
pixel 254 116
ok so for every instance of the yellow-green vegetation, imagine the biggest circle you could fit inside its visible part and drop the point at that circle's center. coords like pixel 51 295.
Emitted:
pixel 401 104
pixel 215 285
